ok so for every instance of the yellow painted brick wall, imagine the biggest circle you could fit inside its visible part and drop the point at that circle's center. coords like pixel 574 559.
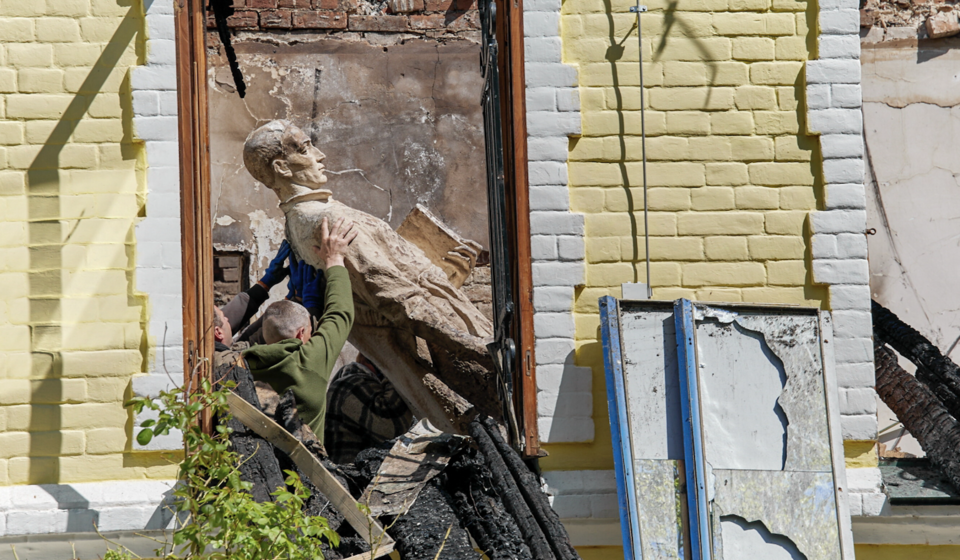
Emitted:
pixel 732 179
pixel 71 190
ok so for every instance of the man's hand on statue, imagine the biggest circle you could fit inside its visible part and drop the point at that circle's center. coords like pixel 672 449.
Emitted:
pixel 334 243
pixel 276 272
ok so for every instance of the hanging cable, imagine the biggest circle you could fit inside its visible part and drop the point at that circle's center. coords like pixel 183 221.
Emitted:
pixel 638 9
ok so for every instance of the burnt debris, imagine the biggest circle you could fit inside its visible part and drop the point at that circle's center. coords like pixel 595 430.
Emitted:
pixel 486 492
pixel 927 404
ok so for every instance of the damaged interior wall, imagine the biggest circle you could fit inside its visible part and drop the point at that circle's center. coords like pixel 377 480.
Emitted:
pixel 911 112
pixel 397 115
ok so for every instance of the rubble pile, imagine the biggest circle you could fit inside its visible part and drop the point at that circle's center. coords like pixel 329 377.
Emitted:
pixel 932 20
pixel 485 492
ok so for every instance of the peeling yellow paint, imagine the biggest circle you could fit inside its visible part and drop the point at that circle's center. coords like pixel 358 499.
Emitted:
pixel 860 454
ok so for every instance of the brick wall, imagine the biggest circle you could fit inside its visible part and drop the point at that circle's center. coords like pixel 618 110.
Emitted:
pixel 72 181
pixel 839 246
pixel 153 87
pixel 732 174
pixel 425 17
pixel 564 396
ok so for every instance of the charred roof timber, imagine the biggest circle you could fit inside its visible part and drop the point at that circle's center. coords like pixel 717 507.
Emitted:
pixel 927 404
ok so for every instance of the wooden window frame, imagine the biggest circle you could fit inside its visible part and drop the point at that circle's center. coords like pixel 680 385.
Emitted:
pixel 513 110
pixel 196 220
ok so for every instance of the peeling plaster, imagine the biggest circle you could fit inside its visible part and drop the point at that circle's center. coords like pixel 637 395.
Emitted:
pixel 268 233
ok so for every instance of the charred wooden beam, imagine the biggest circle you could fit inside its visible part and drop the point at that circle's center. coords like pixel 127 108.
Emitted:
pixel 430 529
pixel 533 494
pixel 921 413
pixel 481 509
pixel 506 486
pixel 258 464
pixel 939 373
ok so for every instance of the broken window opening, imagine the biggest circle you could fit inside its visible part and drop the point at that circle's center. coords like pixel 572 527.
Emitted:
pixel 295 38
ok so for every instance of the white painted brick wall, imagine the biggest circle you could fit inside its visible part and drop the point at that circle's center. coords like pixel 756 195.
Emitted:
pixel 582 494
pixel 59 508
pixel 158 234
pixel 565 399
pixel 834 102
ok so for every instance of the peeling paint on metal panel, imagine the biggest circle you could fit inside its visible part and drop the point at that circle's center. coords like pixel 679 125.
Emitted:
pixel 794 340
pixel 742 539
pixel 658 501
pixel 652 383
pixel 740 381
pixel 801 506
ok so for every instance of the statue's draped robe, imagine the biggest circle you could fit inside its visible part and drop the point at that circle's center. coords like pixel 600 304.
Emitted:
pixel 400 294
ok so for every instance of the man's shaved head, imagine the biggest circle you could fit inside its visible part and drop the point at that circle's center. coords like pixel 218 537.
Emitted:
pixel 283 319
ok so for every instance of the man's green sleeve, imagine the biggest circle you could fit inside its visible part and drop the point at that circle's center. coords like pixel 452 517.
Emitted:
pixel 332 331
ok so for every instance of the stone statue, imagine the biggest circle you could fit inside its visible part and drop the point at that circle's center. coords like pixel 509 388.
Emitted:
pixel 417 327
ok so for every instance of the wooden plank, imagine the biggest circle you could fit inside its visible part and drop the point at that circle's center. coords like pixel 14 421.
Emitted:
pixel 367 527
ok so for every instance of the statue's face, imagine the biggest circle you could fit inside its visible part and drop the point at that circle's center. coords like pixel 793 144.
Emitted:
pixel 302 161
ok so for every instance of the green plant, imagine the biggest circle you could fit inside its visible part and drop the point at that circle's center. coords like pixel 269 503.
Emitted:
pixel 217 517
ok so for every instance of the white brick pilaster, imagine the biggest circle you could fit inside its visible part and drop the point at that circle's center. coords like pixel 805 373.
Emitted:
pixel 158 245
pixel 565 399
pixel 834 104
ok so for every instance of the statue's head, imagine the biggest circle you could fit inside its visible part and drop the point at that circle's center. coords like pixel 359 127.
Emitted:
pixel 279 153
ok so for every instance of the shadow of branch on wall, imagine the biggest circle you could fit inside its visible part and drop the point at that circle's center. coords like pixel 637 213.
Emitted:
pixel 48 234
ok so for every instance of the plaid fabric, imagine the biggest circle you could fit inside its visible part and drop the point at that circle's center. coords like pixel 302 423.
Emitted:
pixel 363 410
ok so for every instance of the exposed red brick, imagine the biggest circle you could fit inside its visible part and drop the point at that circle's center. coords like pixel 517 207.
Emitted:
pixel 243 20
pixel 239 3
pixel 303 19
pixel 262 4
pixel 294 4
pixel 405 6
pixel 466 5
pixel 275 19
pixel 326 4
pixel 377 23
pixel 439 5
pixel 464 21
pixel 429 21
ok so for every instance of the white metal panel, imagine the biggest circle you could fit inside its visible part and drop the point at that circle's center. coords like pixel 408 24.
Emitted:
pixel 652 381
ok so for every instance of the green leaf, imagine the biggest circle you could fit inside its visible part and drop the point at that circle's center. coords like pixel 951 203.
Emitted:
pixel 144 437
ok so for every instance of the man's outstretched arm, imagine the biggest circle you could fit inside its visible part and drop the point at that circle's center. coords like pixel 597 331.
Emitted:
pixel 337 302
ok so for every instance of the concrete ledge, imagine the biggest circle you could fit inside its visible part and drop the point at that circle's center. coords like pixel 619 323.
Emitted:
pixel 910 525
pixel 80 546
